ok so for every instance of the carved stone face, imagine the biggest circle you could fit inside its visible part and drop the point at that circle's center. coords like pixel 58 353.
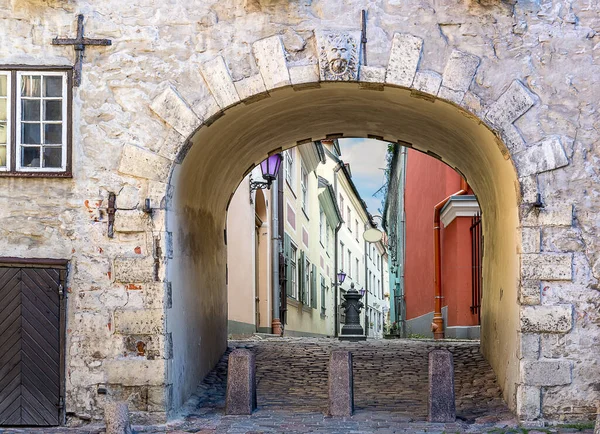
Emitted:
pixel 338 58
pixel 338 55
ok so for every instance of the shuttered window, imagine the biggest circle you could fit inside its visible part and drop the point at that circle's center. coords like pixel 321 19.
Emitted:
pixel 313 287
pixel 323 288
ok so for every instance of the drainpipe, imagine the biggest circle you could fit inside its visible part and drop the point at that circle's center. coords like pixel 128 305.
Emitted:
pixel 276 322
pixel 438 321
pixel 366 287
pixel 335 255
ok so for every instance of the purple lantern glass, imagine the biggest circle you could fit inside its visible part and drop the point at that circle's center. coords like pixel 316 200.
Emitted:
pixel 270 167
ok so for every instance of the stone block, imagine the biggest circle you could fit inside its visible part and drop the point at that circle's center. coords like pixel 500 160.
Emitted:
pixel 459 71
pixel 404 59
pixel 130 221
pixel 511 105
pixel 428 82
pixel 128 197
pixel 472 103
pixel 372 74
pixel 529 399
pixel 546 266
pixel 116 416
pixel 555 215
pixel 512 138
pixel 305 74
pixel 546 319
pixel 219 82
pixel 270 58
pixel 172 108
pixel 456 96
pixel 133 270
pixel 139 322
pixel 441 404
pixel 546 155
pixel 251 87
pixel 529 189
pixel 136 372
pixel 530 240
pixel 141 163
pixel 597 427
pixel 241 383
pixel 341 384
pixel 529 346
pixel 546 372
pixel 530 292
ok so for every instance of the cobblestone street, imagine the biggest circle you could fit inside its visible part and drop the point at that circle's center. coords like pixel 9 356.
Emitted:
pixel 390 392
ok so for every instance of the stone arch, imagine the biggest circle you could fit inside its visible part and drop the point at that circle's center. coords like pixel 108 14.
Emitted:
pixel 240 121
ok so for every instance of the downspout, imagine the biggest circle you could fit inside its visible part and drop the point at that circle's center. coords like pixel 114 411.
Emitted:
pixel 335 255
pixel 366 290
pixel 438 321
pixel 276 247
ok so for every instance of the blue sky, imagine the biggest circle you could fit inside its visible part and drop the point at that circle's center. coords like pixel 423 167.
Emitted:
pixel 367 161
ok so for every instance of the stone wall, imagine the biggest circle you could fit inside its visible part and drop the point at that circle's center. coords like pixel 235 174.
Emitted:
pixel 146 308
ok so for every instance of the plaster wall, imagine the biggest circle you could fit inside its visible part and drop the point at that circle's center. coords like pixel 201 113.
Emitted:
pixel 504 92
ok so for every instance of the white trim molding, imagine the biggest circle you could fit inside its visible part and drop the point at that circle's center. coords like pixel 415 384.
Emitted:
pixel 459 206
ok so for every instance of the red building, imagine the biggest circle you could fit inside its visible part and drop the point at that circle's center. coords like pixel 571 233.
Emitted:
pixel 428 182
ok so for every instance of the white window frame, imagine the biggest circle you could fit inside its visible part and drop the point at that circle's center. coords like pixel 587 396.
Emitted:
pixel 304 188
pixel 322 225
pixel 290 168
pixel 9 120
pixel 341 256
pixel 64 123
pixel 307 274
pixel 349 264
pixel 349 222
pixel 294 269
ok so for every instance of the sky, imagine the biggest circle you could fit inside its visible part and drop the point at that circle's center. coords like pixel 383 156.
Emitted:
pixel 367 164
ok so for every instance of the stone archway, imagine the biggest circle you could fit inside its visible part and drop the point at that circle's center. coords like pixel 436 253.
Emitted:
pixel 435 112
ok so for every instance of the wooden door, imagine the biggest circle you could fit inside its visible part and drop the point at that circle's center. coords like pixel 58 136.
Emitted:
pixel 31 320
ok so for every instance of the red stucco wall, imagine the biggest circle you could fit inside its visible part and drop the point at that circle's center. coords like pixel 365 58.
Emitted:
pixel 429 181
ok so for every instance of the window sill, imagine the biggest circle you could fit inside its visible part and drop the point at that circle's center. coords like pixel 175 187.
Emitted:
pixel 36 175
pixel 292 301
pixel 307 309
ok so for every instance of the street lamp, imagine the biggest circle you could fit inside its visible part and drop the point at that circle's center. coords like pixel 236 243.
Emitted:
pixel 341 277
pixel 362 291
pixel 270 169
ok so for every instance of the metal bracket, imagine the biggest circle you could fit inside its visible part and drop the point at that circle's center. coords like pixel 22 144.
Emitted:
pixel 110 210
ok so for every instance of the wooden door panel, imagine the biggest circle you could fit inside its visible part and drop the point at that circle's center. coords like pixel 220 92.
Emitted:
pixel 30 338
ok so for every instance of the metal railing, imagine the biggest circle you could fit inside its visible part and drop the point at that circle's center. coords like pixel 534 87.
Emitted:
pixel 476 259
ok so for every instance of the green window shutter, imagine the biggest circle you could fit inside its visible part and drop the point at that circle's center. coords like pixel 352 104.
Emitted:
pixel 288 264
pixel 300 271
pixel 322 294
pixel 313 287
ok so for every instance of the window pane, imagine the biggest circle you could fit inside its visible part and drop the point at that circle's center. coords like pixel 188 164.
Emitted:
pixel 52 86
pixel 30 110
pixel 52 110
pixel 3 108
pixel 30 85
pixel 30 156
pixel 30 134
pixel 53 134
pixel 3 83
pixel 52 157
pixel 2 156
pixel 3 132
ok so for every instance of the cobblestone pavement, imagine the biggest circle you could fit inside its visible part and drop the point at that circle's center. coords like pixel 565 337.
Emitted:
pixel 390 379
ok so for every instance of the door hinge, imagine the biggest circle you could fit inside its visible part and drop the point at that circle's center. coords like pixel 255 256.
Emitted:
pixel 61 290
pixel 61 403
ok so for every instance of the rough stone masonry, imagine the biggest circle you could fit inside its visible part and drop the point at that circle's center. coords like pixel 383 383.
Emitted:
pixel 527 70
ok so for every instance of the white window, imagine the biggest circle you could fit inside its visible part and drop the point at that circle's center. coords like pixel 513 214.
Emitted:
pixel 290 167
pixel 307 280
pixel 42 121
pixel 304 188
pixel 349 264
pixel 294 273
pixel 4 120
pixel 34 128
pixel 357 270
pixel 356 227
pixel 327 236
pixel 349 219
pixel 341 204
pixel 322 227
pixel 341 256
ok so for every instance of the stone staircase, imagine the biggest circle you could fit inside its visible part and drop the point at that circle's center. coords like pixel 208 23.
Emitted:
pixel 389 375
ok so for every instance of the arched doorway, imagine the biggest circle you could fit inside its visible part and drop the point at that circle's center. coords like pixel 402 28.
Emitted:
pixel 221 153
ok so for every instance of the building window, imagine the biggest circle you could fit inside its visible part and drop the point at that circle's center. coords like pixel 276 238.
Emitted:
pixel 378 262
pixel 357 271
pixel 35 123
pixel 349 220
pixel 356 227
pixel 341 203
pixel 307 283
pixel 322 226
pixel 304 188
pixel 327 236
pixel 341 256
pixel 289 167
pixel 293 273
pixel 350 264
pixel 323 290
